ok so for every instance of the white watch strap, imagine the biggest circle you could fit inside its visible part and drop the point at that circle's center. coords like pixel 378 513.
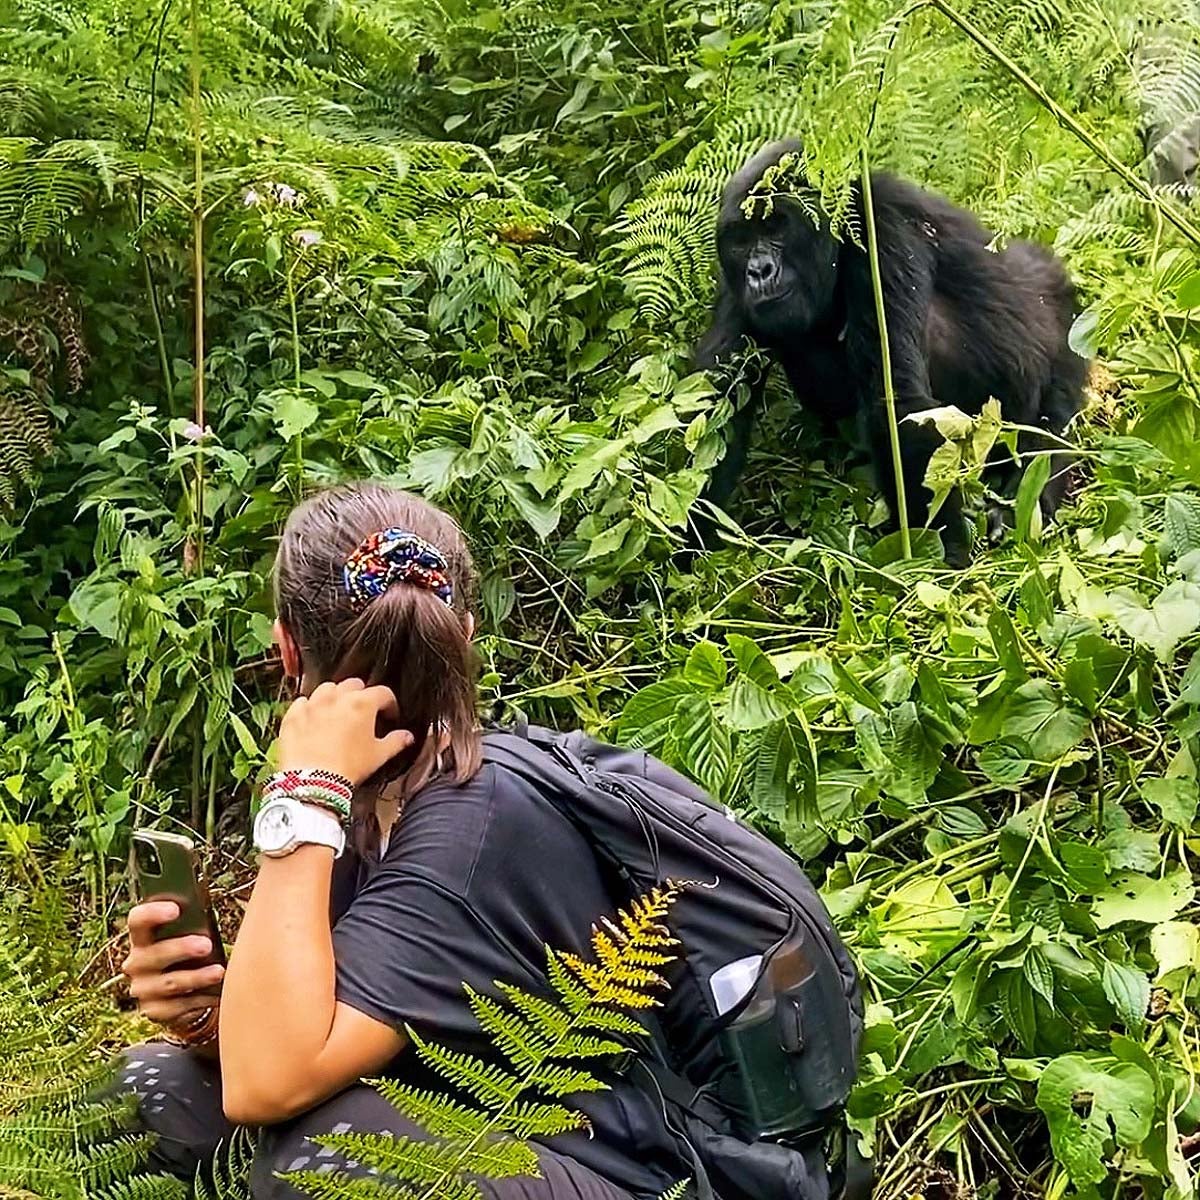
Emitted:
pixel 319 826
pixel 310 825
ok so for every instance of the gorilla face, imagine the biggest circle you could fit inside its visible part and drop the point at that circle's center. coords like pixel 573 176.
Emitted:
pixel 780 265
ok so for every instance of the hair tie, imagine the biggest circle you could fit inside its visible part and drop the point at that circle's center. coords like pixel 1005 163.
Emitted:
pixel 395 556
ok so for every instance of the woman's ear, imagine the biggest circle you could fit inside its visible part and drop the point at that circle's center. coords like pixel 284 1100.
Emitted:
pixel 289 652
pixel 469 623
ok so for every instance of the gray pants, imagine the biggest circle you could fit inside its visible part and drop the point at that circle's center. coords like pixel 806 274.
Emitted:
pixel 180 1100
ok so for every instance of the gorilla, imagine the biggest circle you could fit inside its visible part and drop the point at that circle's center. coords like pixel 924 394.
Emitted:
pixel 965 323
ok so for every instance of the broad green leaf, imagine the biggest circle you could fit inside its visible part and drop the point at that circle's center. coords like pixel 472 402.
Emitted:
pixel 294 413
pixel 752 662
pixel 607 542
pixel 1008 647
pixel 785 744
pixel 1175 946
pixel 1183 523
pixel 1016 1003
pixel 1143 898
pixel 1175 798
pixel 1039 973
pixel 1091 1102
pixel 1079 682
pixel 895 747
pixel 646 718
pixel 1006 761
pixel 752 707
pixel 1188 295
pixel 1174 614
pixel 1037 712
pixel 97 604
pixel 705 666
pixel 702 743
pixel 244 736
pixel 1128 991
pixel 542 516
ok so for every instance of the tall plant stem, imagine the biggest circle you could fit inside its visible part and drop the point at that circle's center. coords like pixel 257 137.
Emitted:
pixel 198 272
pixel 1064 118
pixel 299 441
pixel 885 354
pixel 197 536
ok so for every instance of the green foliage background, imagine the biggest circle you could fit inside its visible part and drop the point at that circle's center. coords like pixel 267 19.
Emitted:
pixel 465 247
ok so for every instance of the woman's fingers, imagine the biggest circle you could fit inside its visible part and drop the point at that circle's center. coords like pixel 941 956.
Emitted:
pixel 145 918
pixel 171 1012
pixel 173 985
pixel 382 700
pixel 158 956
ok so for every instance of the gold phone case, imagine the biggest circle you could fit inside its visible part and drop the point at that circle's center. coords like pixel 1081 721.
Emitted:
pixel 166 868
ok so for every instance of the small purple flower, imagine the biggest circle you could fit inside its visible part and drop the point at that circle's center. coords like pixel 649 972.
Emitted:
pixel 307 237
pixel 193 433
pixel 286 195
pixel 250 198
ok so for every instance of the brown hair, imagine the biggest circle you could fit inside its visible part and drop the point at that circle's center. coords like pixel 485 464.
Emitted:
pixel 408 638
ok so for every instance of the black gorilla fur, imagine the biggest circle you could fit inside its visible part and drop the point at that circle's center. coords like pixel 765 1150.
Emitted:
pixel 964 322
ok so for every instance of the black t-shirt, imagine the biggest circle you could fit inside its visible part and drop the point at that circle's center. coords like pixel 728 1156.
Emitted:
pixel 477 880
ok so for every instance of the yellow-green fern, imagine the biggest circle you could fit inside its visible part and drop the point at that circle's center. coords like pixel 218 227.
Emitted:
pixel 542 1041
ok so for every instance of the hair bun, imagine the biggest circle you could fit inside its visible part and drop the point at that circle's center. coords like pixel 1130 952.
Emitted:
pixel 395 556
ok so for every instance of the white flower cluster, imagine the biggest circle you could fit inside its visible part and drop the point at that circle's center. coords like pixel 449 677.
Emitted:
pixel 282 194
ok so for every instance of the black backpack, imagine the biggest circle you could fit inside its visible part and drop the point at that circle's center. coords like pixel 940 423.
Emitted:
pixel 754 1084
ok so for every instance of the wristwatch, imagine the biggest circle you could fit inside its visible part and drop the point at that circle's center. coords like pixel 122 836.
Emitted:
pixel 284 825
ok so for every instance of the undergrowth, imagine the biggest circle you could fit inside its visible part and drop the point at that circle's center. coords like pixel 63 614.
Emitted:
pixel 467 249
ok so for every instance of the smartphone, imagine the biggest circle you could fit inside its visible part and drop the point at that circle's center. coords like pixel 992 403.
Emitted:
pixel 165 867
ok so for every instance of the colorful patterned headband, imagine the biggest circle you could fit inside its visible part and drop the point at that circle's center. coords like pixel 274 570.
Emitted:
pixel 395 556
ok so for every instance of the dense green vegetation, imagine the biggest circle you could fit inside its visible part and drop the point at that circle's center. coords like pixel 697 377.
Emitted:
pixel 465 246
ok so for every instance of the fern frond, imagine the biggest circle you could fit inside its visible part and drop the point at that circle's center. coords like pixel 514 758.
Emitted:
pixel 539 1040
pixel 489 1083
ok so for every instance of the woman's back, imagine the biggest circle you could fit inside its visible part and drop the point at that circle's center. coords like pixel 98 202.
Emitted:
pixel 478 879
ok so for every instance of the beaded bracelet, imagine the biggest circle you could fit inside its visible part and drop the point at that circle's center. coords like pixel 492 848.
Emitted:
pixel 323 788
pixel 287 781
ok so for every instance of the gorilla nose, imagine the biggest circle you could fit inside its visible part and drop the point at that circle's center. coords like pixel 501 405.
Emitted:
pixel 761 272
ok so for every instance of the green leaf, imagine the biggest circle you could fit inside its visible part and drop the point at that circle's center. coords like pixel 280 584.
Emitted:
pixel 646 718
pixel 1188 295
pixel 1008 646
pixel 702 744
pixel 1036 475
pixel 752 662
pixel 1175 946
pixel 1040 974
pixel 542 516
pixel 1090 1102
pixel 97 605
pixel 1016 1002
pixel 1143 898
pixel 1183 523
pixel 785 743
pixel 1037 713
pixel 705 666
pixel 1175 798
pixel 244 736
pixel 1128 991
pixel 1174 614
pixel 895 748
pixel 579 97
pixel 294 413
pixel 608 542
pixel 1006 761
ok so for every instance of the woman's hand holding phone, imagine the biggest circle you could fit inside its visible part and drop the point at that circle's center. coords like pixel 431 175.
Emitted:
pixel 165 995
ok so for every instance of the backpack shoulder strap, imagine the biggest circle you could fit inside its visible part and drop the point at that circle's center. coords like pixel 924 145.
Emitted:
pixel 562 779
